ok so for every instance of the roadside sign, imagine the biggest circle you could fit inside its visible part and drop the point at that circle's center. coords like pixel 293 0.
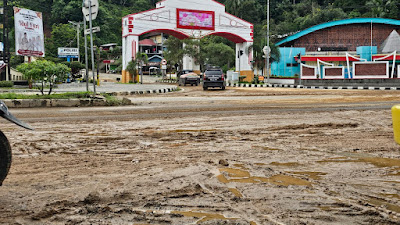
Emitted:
pixel 266 50
pixel 1 10
pixel 164 62
pixel 68 52
pixel 95 9
pixel 108 61
pixel 1 26
pixel 163 67
pixel 94 29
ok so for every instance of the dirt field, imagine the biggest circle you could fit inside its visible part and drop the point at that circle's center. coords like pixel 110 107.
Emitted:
pixel 240 156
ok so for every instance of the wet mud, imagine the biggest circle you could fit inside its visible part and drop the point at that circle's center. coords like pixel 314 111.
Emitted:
pixel 193 165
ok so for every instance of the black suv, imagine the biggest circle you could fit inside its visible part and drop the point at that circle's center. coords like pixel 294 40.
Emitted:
pixel 213 78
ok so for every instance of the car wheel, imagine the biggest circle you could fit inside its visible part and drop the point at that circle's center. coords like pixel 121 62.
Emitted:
pixel 223 88
pixel 205 88
pixel 5 157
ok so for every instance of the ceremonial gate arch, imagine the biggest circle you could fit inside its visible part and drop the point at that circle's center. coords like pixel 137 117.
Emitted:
pixel 188 19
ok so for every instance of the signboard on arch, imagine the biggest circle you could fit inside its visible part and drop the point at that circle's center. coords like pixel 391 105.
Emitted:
pixel 195 19
pixel 29 38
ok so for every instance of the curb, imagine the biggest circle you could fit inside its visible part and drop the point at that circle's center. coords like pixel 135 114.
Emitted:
pixel 87 102
pixel 311 87
pixel 36 103
pixel 157 91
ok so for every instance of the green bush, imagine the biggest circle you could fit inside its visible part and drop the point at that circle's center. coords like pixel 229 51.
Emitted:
pixel 6 84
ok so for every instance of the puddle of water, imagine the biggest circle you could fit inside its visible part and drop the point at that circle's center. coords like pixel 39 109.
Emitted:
pixel 289 164
pixel 285 180
pixel 378 162
pixel 203 216
pixel 242 176
pixel 235 172
pixel 270 149
pixel 382 162
pixel 222 179
pixel 391 195
pixel 240 166
pixel 266 148
pixel 236 192
pixel 184 131
pixel 378 203
pixel 312 175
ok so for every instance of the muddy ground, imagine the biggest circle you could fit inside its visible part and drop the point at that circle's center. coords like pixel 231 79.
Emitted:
pixel 240 156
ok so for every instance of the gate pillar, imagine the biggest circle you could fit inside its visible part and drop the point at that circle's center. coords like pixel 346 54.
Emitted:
pixel 130 46
pixel 243 62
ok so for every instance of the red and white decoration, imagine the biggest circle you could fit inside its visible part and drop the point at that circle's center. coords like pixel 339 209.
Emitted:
pixel 188 19
pixel 368 70
pixel 308 72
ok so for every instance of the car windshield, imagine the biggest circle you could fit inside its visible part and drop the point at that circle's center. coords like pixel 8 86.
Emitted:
pixel 216 72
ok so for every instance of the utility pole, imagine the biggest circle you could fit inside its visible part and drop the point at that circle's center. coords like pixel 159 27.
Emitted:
pixel 5 40
pixel 90 9
pixel 78 29
pixel 86 56
pixel 269 48
pixel 91 47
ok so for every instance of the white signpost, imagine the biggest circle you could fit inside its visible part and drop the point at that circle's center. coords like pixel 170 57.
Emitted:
pixel 29 38
pixel 68 52
pixel 94 30
pixel 90 9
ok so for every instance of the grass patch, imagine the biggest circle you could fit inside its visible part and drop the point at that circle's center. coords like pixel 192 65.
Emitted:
pixel 52 96
pixel 6 84
pixel 112 100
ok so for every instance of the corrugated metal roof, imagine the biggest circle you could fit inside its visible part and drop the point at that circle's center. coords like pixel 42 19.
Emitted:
pixel 338 23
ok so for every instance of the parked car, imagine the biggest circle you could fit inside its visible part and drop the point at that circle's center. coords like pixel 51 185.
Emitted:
pixel 189 78
pixel 214 78
pixel 180 73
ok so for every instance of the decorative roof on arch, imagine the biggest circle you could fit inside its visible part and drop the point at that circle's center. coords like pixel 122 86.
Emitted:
pixel 338 23
pixel 188 19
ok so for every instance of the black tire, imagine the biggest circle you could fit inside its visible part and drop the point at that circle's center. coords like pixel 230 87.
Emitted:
pixel 223 88
pixel 205 88
pixel 5 157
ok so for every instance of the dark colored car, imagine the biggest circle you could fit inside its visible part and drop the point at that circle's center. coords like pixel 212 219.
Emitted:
pixel 189 78
pixel 180 73
pixel 213 78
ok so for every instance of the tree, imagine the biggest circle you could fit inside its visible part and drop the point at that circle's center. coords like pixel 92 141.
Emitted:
pixel 174 52
pixel 219 54
pixel 383 8
pixel 44 72
pixel 62 35
pixel 132 67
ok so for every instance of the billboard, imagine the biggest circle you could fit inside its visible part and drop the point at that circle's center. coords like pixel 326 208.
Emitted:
pixel 29 39
pixel 195 19
pixel 68 53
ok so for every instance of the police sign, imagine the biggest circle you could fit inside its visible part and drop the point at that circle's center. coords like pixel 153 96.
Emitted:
pixel 68 52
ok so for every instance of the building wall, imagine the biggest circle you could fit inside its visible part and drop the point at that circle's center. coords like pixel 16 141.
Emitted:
pixel 287 65
pixel 344 37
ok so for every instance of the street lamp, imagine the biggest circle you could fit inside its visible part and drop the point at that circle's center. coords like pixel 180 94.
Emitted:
pixel 78 27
